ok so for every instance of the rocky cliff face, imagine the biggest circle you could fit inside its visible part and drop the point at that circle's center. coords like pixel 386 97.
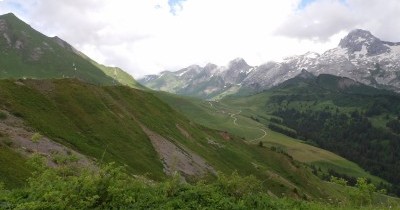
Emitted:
pixel 205 82
pixel 359 40
pixel 359 56
pixel 364 58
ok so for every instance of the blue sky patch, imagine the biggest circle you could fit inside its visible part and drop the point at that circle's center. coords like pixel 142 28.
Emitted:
pixel 14 5
pixel 304 3
pixel 173 3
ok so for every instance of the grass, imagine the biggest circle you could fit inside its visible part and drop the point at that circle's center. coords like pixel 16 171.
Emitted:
pixel 313 155
pixel 14 170
pixel 106 120
pixel 84 117
pixel 381 120
pixel 122 191
pixel 213 117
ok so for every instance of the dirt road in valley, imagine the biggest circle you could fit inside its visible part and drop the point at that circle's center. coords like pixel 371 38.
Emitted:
pixel 234 118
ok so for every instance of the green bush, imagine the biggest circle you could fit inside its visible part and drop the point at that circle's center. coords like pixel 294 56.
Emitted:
pixel 363 194
pixel 3 115
pixel 7 141
pixel 111 187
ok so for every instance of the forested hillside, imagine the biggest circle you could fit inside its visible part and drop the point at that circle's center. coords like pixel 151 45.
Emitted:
pixel 355 121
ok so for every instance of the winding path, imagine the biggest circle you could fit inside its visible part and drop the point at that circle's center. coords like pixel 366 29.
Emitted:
pixel 232 115
pixel 235 118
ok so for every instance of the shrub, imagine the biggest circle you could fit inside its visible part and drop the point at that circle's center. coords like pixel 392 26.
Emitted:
pixel 8 141
pixel 260 144
pixel 363 194
pixel 3 115
pixel 111 187
pixel 36 137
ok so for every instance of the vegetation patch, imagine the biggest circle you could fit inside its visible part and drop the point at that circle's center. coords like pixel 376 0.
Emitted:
pixel 3 115
pixel 111 187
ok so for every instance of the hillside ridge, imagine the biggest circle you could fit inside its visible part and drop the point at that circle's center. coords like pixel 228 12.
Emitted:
pixel 27 53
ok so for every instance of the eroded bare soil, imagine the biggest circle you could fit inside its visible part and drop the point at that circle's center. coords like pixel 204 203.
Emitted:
pixel 176 158
pixel 15 134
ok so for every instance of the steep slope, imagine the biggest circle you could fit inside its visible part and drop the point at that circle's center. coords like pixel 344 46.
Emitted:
pixel 338 114
pixel 26 53
pixel 135 128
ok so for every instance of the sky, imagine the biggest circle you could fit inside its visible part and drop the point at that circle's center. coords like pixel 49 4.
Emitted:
pixel 149 36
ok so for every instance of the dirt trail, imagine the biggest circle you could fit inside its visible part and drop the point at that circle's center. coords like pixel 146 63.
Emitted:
pixel 233 116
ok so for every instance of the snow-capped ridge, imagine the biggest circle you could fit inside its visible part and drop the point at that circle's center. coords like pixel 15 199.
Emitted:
pixel 238 63
pixel 358 40
pixel 310 54
pixel 359 56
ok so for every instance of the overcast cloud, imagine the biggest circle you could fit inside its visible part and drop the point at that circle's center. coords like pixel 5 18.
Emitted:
pixel 149 36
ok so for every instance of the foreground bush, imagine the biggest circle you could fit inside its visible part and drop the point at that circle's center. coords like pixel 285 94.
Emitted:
pixel 110 187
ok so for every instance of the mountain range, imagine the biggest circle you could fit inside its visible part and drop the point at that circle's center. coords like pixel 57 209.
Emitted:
pixel 360 56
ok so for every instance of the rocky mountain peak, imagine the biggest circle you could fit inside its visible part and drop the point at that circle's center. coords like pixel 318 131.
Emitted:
pixel 10 14
pixel 194 68
pixel 357 36
pixel 311 55
pixel 210 66
pixel 210 69
pixel 3 21
pixel 363 41
pixel 238 63
pixel 10 17
pixel 164 72
pixel 188 72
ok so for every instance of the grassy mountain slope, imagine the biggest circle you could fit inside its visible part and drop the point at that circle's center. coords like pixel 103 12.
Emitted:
pixel 338 114
pixel 105 123
pixel 83 117
pixel 26 53
pixel 119 75
pixel 251 121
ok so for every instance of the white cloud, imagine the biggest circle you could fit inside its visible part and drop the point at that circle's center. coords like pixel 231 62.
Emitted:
pixel 143 36
pixel 325 18
pixel 319 20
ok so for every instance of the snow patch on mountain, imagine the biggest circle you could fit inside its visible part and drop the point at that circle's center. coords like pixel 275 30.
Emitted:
pixel 359 56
